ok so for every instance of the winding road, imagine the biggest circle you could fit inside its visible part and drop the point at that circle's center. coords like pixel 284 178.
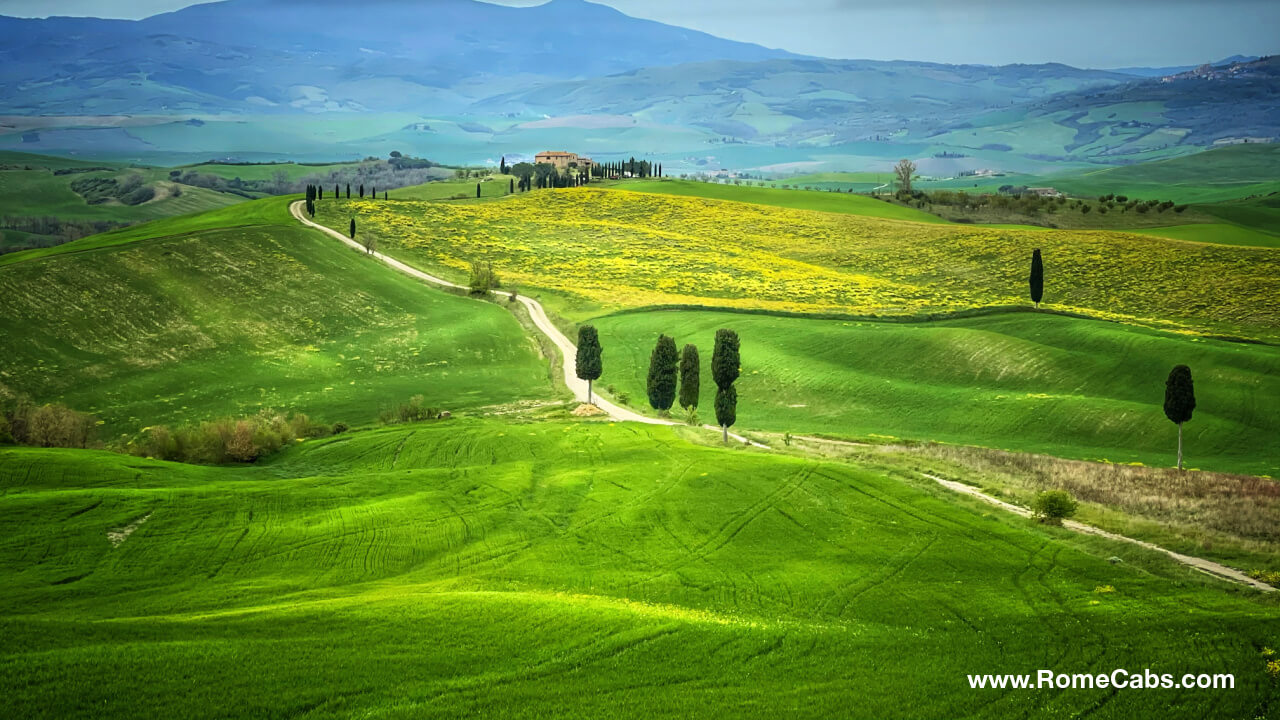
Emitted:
pixel 569 353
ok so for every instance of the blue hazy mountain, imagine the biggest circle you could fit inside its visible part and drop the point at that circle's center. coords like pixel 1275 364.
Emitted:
pixel 254 54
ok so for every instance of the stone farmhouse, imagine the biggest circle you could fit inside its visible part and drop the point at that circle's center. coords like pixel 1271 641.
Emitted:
pixel 562 160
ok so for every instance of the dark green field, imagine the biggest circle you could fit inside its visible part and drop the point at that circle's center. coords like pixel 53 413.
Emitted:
pixel 1027 382
pixel 201 321
pixel 537 570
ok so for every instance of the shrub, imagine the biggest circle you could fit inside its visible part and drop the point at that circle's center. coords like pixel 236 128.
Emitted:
pixel 1051 506
pixel 139 195
pixel 339 428
pixel 415 410
pixel 227 439
pixel 483 278
pixel 55 425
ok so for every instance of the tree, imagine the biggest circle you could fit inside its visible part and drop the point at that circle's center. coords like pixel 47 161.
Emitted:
pixel 395 154
pixel 353 228
pixel 361 190
pixel 725 367
pixel 477 190
pixel 348 191
pixel 589 365
pixel 370 242
pixel 373 193
pixel 319 192
pixel 1179 400
pixel 337 194
pixel 689 380
pixel 726 409
pixel 905 171
pixel 663 364
pixel 502 166
pixel 1037 277
pixel 511 189
pixel 483 278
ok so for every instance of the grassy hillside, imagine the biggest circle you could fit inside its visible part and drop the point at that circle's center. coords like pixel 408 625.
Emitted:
pixel 795 199
pixel 1210 176
pixel 494 186
pixel 30 187
pixel 201 319
pixel 484 569
pixel 1024 381
pixel 612 249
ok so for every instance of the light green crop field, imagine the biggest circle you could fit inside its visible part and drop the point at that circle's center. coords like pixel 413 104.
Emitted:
pixel 200 321
pixel 495 186
pixel 795 199
pixel 264 171
pixel 1024 381
pixel 1224 233
pixel 483 569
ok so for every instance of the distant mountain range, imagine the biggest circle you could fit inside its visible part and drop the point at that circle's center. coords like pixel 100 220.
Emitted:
pixel 471 79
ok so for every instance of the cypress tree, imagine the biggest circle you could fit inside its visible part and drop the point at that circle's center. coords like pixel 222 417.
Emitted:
pixel 353 228
pixel 1037 277
pixel 725 366
pixel 1179 400
pixel 336 194
pixel 689 380
pixel 362 190
pixel 348 191
pixel 319 192
pixel 663 364
pixel 384 194
pixel 512 187
pixel 589 365
pixel 374 194
pixel 502 167
pixel 726 409
pixel 477 190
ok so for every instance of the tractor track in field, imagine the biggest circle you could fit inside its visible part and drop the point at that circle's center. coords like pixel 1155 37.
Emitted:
pixel 568 352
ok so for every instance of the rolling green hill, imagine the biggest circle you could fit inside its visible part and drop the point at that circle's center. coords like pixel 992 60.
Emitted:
pixel 1025 381
pixel 795 199
pixel 189 318
pixel 487 569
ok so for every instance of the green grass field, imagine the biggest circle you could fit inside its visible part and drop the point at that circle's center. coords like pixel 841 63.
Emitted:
pixel 183 320
pixel 535 570
pixel 1211 176
pixel 495 186
pixel 39 192
pixel 794 199
pixel 1026 382
pixel 1222 233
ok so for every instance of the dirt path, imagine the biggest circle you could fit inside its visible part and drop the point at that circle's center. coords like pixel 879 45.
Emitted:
pixel 1205 566
pixel 568 351
pixel 569 354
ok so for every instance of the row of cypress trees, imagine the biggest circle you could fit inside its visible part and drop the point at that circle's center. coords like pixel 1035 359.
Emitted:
pixel 670 372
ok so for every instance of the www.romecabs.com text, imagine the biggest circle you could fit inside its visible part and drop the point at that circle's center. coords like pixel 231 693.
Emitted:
pixel 1119 679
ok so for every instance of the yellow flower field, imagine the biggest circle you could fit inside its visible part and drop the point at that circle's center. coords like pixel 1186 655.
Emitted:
pixel 621 249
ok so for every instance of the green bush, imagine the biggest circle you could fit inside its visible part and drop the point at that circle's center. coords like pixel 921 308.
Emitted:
pixel 416 410
pixel 25 423
pixel 227 440
pixel 1052 506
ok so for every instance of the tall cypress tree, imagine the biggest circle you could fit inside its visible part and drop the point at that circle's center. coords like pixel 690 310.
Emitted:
pixel 511 189
pixel 1037 277
pixel 725 367
pixel 477 190
pixel 502 167
pixel 689 380
pixel 348 191
pixel 1179 400
pixel 589 365
pixel 336 194
pixel 373 194
pixel 362 190
pixel 353 228
pixel 319 192
pixel 663 364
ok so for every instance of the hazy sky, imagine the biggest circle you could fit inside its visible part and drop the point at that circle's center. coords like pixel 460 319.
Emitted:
pixel 1085 33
